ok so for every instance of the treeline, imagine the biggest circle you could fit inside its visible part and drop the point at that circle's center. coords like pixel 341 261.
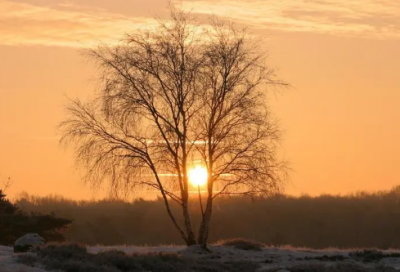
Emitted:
pixel 359 220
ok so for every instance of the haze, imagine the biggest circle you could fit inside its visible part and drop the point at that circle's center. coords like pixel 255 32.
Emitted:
pixel 340 117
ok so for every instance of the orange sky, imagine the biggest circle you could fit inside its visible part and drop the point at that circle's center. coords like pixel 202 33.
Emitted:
pixel 341 118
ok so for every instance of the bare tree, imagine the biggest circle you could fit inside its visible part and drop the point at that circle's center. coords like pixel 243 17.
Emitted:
pixel 181 95
pixel 6 184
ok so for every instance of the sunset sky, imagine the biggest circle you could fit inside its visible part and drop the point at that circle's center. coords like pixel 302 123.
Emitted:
pixel 341 117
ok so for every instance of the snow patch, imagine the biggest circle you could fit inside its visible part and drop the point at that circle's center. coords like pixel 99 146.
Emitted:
pixel 269 257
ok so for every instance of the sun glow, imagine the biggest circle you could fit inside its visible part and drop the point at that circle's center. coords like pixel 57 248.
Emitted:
pixel 198 176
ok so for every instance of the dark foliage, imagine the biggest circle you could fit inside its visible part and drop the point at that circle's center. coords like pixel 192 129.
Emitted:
pixel 356 221
pixel 15 223
pixel 75 258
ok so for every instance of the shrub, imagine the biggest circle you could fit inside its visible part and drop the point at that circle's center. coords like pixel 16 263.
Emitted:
pixel 62 251
pixel 243 244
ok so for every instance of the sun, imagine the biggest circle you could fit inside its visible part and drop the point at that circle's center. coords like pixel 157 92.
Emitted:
pixel 198 176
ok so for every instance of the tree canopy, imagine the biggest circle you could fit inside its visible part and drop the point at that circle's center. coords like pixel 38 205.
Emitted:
pixel 184 95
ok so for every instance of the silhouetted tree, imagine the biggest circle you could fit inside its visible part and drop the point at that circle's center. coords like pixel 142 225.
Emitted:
pixel 180 95
pixel 15 223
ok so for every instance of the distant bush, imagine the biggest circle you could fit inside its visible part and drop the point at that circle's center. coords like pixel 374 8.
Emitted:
pixel 75 258
pixel 243 244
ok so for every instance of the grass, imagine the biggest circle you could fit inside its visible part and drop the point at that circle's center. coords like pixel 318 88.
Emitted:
pixel 75 258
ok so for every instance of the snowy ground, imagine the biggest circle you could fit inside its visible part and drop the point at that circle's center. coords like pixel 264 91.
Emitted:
pixel 269 257
pixel 8 262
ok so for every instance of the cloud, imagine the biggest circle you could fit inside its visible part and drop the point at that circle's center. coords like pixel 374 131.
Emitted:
pixel 77 23
pixel 63 25
pixel 376 19
pixel 132 8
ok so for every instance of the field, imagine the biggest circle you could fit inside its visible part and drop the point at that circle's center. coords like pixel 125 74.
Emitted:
pixel 227 256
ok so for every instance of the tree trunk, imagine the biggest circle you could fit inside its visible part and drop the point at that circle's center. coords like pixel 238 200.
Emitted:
pixel 186 238
pixel 205 224
pixel 206 216
pixel 191 240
